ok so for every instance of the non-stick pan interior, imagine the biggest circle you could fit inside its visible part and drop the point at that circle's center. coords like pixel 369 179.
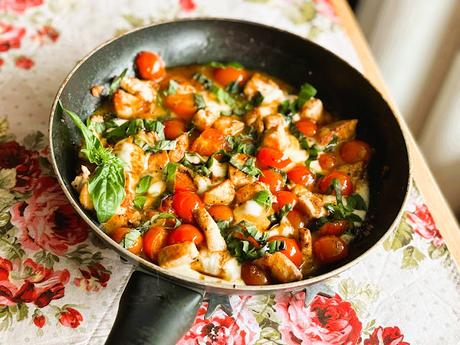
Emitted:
pixel 343 90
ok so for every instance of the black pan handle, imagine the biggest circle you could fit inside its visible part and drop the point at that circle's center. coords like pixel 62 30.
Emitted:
pixel 153 311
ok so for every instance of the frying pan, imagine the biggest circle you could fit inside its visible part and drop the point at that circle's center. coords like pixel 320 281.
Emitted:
pixel 158 306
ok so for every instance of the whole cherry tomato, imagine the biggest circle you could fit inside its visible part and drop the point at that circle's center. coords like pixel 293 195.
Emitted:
pixel 327 161
pixel 253 275
pixel 153 241
pixel 326 186
pixel 273 179
pixel 210 141
pixel 296 219
pixel 227 75
pixel 329 249
pixel 150 66
pixel 221 213
pixel 185 233
pixel 119 234
pixel 355 151
pixel 174 128
pixel 284 197
pixel 301 175
pixel 184 203
pixel 336 227
pixel 291 249
pixel 183 104
pixel 307 127
pixel 272 158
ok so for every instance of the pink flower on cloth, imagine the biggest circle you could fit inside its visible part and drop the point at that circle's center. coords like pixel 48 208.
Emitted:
pixel 386 336
pixel 327 320
pixel 18 6
pixel 38 284
pixel 221 329
pixel 24 62
pixel 70 317
pixel 47 220
pixel 10 36
pixel 13 155
pixel 422 223
pixel 93 278
pixel 187 5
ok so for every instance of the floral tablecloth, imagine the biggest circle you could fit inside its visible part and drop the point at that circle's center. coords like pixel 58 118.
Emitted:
pixel 59 285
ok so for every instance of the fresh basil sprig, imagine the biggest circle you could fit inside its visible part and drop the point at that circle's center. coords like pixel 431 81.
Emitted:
pixel 107 183
pixel 115 84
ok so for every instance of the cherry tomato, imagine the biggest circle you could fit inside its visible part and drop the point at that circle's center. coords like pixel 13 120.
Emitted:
pixel 273 179
pixel 307 127
pixel 182 104
pixel 253 275
pixel 185 233
pixel 327 161
pixel 221 213
pixel 296 219
pixel 272 158
pixel 291 249
pixel 184 203
pixel 166 205
pixel 355 151
pixel 326 186
pixel 210 141
pixel 226 75
pixel 301 175
pixel 183 182
pixel 330 249
pixel 284 197
pixel 174 128
pixel 336 227
pixel 153 241
pixel 119 234
pixel 150 65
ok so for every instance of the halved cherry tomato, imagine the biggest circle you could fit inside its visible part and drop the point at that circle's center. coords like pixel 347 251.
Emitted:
pixel 291 249
pixel 307 127
pixel 119 234
pixel 210 141
pixel 226 75
pixel 327 161
pixel 150 65
pixel 183 182
pixel 329 249
pixel 185 233
pixel 273 179
pixel 154 240
pixel 355 151
pixel 284 197
pixel 272 158
pixel 326 186
pixel 174 128
pixel 183 104
pixel 336 227
pixel 221 213
pixel 184 203
pixel 166 205
pixel 253 275
pixel 296 219
pixel 301 175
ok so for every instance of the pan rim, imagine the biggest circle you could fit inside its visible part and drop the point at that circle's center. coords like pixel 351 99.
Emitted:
pixel 221 287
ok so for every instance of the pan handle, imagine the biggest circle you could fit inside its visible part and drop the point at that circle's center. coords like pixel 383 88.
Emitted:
pixel 153 311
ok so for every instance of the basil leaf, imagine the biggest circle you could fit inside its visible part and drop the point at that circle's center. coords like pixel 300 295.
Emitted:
pixel 162 145
pixel 287 109
pixel 144 184
pixel 125 130
pixel 356 201
pixel 155 126
pixel 249 167
pixel 217 64
pixel 172 87
pixel 115 84
pixel 130 238
pixel 233 88
pixel 263 198
pixel 199 101
pixel 139 201
pixel 257 99
pixel 169 175
pixel 148 224
pixel 333 143
pixel 306 92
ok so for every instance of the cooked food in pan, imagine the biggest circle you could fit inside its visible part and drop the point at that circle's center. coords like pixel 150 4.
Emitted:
pixel 222 173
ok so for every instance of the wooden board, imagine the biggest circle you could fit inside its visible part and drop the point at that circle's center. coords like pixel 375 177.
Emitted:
pixel 423 177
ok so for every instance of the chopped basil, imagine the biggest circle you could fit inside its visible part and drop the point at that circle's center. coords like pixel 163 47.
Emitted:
pixel 257 99
pixel 249 167
pixel 144 184
pixel 356 202
pixel 277 217
pixel 306 92
pixel 242 143
pixel 332 144
pixel 132 127
pixel 162 145
pixel 233 88
pixel 199 101
pixel 217 64
pixel 263 198
pixel 163 215
pixel 287 109
pixel 169 175
pixel 139 201
pixel 155 126
pixel 172 87
pixel 115 84
pixel 130 238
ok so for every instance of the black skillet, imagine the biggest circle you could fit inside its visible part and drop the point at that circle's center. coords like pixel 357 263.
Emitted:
pixel 158 306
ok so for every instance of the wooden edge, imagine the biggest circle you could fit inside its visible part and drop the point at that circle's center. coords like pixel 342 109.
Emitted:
pixel 425 182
